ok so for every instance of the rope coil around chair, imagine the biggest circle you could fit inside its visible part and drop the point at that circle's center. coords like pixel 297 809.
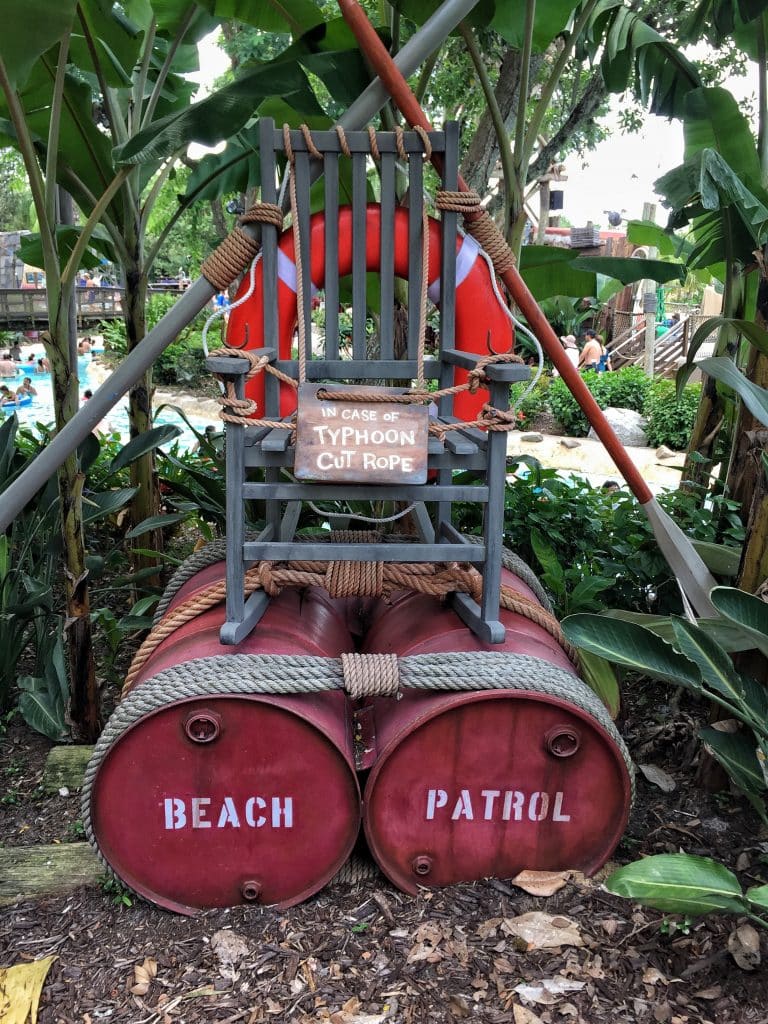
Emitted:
pixel 240 410
pixel 229 259
pixel 249 674
pixel 354 579
pixel 271 577
pixel 479 224
pixel 370 675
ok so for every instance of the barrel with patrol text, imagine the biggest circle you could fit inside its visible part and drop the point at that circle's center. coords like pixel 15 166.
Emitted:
pixel 489 783
pixel 216 800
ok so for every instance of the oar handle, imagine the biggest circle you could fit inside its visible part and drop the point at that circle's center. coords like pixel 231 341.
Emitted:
pixel 410 108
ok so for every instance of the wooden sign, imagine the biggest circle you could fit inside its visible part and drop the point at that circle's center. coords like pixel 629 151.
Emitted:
pixel 359 442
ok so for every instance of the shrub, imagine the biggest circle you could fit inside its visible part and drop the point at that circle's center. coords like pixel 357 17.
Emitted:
pixel 670 419
pixel 622 389
pixel 534 402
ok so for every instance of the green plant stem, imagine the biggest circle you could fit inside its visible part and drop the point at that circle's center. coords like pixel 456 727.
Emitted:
pixel 426 74
pixel 70 270
pixel 762 93
pixel 140 83
pixel 163 73
pixel 69 178
pixel 502 136
pixel 52 151
pixel 116 126
pixel 34 175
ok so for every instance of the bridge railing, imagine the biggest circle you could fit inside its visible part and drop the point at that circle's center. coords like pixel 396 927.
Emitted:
pixel 21 307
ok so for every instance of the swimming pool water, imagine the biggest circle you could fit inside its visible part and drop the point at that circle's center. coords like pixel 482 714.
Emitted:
pixel 115 422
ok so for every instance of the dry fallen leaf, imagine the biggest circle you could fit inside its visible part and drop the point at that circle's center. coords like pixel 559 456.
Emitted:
pixel 543 931
pixel 142 976
pixel 523 1016
pixel 229 947
pixel 709 993
pixel 547 991
pixel 658 777
pixel 744 947
pixel 652 976
pixel 541 883
pixel 20 988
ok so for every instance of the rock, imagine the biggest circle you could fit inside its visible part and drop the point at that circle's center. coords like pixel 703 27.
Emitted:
pixel 662 452
pixel 532 438
pixel 627 425
pixel 570 442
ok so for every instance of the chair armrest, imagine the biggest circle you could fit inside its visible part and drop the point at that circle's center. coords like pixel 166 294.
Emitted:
pixel 227 366
pixel 508 373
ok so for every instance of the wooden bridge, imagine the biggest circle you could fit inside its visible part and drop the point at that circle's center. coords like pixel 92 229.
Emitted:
pixel 25 309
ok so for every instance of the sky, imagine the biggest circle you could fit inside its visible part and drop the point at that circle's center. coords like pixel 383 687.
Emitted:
pixel 618 175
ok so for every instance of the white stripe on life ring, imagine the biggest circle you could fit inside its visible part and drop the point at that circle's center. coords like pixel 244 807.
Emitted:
pixel 286 272
pixel 465 260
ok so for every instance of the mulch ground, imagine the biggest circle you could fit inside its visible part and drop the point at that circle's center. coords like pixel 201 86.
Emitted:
pixel 367 953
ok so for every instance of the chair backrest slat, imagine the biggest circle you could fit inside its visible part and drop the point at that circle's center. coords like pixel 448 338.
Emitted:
pixel 448 257
pixel 415 242
pixel 269 236
pixel 359 197
pixel 303 182
pixel 331 171
pixel 387 258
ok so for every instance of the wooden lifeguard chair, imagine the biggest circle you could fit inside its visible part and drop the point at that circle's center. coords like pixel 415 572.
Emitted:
pixel 354 439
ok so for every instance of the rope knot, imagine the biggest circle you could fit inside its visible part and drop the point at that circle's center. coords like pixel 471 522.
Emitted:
pixel 266 578
pixel 370 675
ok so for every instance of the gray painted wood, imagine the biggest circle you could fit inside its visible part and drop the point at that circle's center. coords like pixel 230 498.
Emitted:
pixel 359 226
pixel 364 492
pixel 303 182
pixel 462 449
pixel 331 165
pixel 269 237
pixel 323 551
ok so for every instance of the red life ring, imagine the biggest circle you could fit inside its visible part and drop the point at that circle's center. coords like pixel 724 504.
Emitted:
pixel 480 317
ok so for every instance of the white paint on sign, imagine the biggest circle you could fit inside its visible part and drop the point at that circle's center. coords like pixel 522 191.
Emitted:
pixel 200 812
pixel 495 805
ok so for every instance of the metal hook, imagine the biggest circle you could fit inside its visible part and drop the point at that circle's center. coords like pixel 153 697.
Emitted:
pixel 493 351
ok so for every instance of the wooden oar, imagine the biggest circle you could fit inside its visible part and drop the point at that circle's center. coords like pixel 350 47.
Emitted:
pixel 692 574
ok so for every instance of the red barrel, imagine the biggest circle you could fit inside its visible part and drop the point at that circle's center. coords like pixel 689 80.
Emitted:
pixel 217 800
pixel 420 624
pixel 296 622
pixel 488 784
pixel 473 785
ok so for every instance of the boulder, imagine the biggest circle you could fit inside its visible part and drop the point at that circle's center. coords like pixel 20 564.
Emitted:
pixel 662 452
pixel 532 438
pixel 627 425
pixel 570 442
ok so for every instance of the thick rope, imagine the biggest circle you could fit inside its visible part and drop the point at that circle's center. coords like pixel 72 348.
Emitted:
pixel 228 260
pixel 253 673
pixel 479 224
pixel 342 579
pixel 216 551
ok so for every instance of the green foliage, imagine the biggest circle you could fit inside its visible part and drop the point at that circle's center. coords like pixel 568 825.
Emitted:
pixel 682 884
pixel 30 560
pixel 696 661
pixel 536 401
pixel 623 389
pixel 670 418
pixel 592 533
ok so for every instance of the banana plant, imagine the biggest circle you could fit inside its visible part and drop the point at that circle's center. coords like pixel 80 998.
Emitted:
pixel 694 660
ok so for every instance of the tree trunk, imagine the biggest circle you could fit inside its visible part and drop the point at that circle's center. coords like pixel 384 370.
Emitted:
pixel 84 710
